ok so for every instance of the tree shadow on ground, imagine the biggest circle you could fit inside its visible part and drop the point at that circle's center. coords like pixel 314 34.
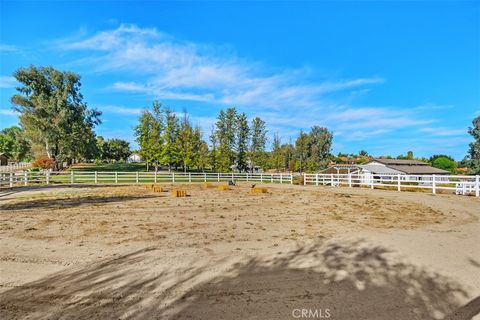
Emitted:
pixel 70 202
pixel 354 280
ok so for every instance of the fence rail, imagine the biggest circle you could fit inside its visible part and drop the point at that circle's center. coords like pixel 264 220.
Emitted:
pixel 462 185
pixel 15 167
pixel 26 178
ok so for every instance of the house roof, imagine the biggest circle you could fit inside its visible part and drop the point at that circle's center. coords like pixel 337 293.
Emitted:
pixel 400 162
pixel 3 154
pixel 380 169
pixel 418 169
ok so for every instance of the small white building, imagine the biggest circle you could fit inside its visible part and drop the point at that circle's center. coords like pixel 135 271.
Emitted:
pixel 134 157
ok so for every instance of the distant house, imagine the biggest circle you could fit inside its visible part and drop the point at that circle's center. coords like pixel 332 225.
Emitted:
pixel 3 159
pixel 134 157
pixel 413 167
pixel 386 167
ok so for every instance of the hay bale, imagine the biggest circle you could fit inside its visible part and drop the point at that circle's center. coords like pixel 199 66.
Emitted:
pixel 179 193
pixel 207 185
pixel 258 190
pixel 149 186
pixel 157 189
pixel 223 188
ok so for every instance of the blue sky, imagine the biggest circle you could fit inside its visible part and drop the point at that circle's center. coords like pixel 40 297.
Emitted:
pixel 386 77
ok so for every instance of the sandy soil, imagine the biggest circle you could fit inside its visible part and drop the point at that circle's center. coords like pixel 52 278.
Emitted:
pixel 96 252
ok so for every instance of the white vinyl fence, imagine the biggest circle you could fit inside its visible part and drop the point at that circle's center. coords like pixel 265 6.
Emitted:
pixel 11 167
pixel 464 185
pixel 25 178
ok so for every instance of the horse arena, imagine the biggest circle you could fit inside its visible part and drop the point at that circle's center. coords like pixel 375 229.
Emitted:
pixel 131 252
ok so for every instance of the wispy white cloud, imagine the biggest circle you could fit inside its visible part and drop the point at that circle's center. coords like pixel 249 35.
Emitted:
pixel 120 110
pixel 8 48
pixel 8 112
pixel 183 70
pixel 443 131
pixel 163 67
pixel 7 82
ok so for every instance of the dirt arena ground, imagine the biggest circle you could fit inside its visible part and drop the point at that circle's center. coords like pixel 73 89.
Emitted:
pixel 124 252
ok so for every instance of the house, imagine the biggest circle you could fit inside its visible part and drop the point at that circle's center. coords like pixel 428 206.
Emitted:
pixel 389 169
pixel 3 159
pixel 134 157
pixel 411 167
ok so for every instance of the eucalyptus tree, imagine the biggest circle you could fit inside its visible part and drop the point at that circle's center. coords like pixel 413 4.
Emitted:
pixel 53 113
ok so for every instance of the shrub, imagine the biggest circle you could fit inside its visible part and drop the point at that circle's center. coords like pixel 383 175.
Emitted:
pixel 43 162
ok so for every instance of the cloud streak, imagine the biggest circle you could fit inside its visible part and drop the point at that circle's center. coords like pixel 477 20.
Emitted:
pixel 7 82
pixel 157 65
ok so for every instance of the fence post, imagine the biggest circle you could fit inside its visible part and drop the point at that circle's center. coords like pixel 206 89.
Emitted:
pixel 189 177
pixel 372 181
pixel 232 176
pixel 271 178
pixel 218 176
pixel 281 178
pixel 477 185
pixel 47 177
pixel 331 179
pixel 136 177
pixel 316 179
pixel 155 177
pixel 25 173
pixel 247 176
pixel 349 180
pixel 399 185
pixel 96 177
pixel 304 178
pixel 291 178
pixel 116 177
pixel 434 185
pixel 204 177
pixel 173 177
pixel 11 179
pixel 71 177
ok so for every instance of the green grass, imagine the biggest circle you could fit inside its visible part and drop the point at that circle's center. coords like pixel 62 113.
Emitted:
pixel 119 167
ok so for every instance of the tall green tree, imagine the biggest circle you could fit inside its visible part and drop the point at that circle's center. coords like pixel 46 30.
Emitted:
pixel 185 143
pixel 144 133
pixel 242 138
pixel 200 150
pixel 156 138
pixel 276 154
pixel 302 150
pixel 117 149
pixel 14 144
pixel 53 113
pixel 226 134
pixel 258 143
pixel 213 154
pixel 319 148
pixel 474 147
pixel 171 153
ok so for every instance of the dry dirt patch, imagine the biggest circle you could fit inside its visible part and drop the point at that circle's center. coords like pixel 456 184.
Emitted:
pixel 125 252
